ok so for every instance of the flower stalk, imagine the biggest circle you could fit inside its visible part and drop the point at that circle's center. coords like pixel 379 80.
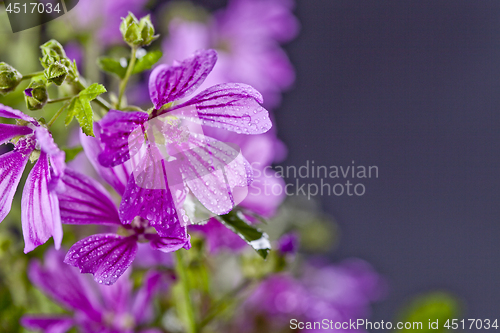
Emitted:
pixel 124 82
pixel 181 271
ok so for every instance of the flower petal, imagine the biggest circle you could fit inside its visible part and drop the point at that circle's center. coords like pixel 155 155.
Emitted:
pixel 8 131
pixel 84 201
pixel 106 256
pixel 57 156
pixel 40 208
pixel 213 171
pixel 64 284
pixel 148 193
pixel 8 112
pixel 12 165
pixel 231 106
pixel 49 324
pixel 121 136
pixel 171 83
pixel 116 176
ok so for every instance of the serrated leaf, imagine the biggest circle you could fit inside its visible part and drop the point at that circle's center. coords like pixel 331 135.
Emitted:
pixel 112 66
pixel 255 237
pixel 72 152
pixel 80 108
pixel 147 61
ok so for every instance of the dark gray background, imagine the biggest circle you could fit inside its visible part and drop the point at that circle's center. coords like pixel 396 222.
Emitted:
pixel 412 87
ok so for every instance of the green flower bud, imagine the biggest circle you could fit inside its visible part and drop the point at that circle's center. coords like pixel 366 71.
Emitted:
pixel 9 78
pixel 36 95
pixel 56 73
pixel 137 33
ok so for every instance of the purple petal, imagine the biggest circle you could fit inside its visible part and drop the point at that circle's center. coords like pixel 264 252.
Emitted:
pixel 171 83
pixel 231 106
pixel 141 308
pixel 49 324
pixel 106 256
pixel 8 112
pixel 8 131
pixel 12 165
pixel 57 156
pixel 148 193
pixel 40 208
pixel 117 176
pixel 121 136
pixel 213 171
pixel 64 284
pixel 84 201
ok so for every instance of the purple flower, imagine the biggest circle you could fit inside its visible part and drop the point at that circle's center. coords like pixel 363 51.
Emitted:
pixel 288 243
pixel 336 292
pixel 247 35
pixel 39 207
pixel 95 308
pixel 83 200
pixel 170 142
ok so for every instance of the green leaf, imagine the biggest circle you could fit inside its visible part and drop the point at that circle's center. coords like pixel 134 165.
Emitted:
pixel 80 108
pixel 72 152
pixel 114 66
pixel 255 237
pixel 147 61
pixel 431 308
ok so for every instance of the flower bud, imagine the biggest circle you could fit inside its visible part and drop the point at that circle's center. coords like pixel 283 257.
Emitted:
pixel 137 33
pixel 36 95
pixel 56 73
pixel 9 78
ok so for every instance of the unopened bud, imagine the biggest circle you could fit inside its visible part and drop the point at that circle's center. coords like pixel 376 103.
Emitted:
pixel 36 95
pixel 56 73
pixel 137 33
pixel 9 78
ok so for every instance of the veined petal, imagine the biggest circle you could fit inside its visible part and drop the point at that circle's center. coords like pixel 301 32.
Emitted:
pixel 8 131
pixel 148 193
pixel 171 83
pixel 106 256
pixel 49 324
pixel 65 285
pixel 231 106
pixel 121 136
pixel 171 243
pixel 8 112
pixel 84 201
pixel 214 171
pixel 12 165
pixel 57 156
pixel 40 208
pixel 116 176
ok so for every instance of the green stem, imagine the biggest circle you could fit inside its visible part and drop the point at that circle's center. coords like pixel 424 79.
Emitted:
pixel 29 76
pixel 124 82
pixel 183 278
pixel 58 113
pixel 57 100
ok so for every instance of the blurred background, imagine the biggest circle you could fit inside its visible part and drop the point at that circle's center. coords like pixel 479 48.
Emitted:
pixel 411 87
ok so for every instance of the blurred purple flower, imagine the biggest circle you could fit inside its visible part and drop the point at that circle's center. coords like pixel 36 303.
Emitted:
pixel 247 35
pixel 83 201
pixel 39 207
pixel 334 292
pixel 288 243
pixel 95 308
